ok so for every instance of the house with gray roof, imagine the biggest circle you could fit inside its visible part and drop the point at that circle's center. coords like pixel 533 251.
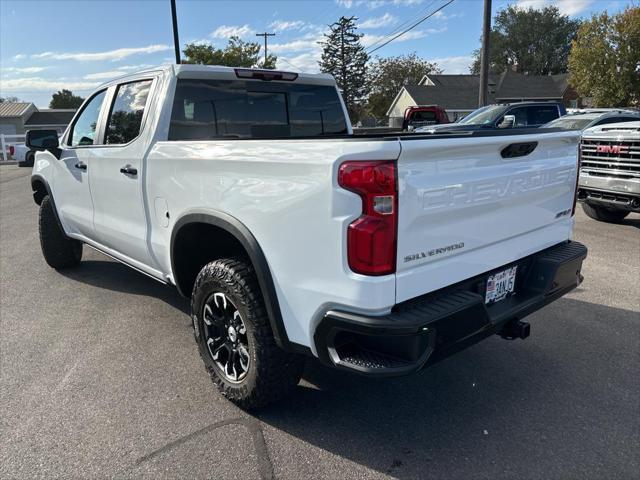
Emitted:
pixel 18 117
pixel 458 94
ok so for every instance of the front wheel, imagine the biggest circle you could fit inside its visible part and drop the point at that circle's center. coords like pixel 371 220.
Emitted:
pixel 603 214
pixel 235 339
pixel 59 251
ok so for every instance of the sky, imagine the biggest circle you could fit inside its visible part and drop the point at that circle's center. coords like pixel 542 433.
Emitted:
pixel 49 45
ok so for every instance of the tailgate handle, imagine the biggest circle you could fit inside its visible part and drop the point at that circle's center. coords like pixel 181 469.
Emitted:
pixel 518 149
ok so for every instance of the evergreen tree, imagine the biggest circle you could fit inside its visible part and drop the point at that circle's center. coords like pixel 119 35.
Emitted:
pixel 343 56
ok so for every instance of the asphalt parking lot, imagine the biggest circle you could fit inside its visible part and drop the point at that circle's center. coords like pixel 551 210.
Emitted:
pixel 100 377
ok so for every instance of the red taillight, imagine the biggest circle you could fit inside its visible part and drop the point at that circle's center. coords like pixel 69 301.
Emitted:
pixel 575 193
pixel 371 239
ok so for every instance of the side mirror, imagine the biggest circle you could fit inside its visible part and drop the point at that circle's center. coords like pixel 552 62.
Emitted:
pixel 43 140
pixel 508 121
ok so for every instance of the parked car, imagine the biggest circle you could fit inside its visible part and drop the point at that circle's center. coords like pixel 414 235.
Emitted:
pixel 422 116
pixel 582 121
pixel 246 189
pixel 609 186
pixel 23 155
pixel 503 116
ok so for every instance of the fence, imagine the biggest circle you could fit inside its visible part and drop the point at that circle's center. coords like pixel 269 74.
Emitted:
pixel 6 145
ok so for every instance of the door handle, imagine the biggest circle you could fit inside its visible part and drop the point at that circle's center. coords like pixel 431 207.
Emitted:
pixel 81 166
pixel 129 170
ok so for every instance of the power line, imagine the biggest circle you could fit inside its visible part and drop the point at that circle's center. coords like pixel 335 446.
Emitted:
pixel 289 63
pixel 410 28
pixel 399 27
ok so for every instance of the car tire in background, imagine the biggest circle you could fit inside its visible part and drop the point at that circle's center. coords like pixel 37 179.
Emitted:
pixel 604 214
pixel 28 159
pixel 234 336
pixel 59 250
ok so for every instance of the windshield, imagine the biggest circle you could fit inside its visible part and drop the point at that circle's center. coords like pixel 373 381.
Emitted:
pixel 482 116
pixel 569 123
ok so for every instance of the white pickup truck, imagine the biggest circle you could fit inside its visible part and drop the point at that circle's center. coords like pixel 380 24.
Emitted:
pixel 246 189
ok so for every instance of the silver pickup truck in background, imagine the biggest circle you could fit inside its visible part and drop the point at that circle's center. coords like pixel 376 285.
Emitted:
pixel 609 185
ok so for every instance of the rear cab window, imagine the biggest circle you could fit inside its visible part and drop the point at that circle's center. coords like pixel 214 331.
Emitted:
pixel 245 109
pixel 125 118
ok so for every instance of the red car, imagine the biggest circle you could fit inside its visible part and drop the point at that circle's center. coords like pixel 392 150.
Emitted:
pixel 424 115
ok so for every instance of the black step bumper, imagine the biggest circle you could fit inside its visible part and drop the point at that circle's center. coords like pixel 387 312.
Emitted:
pixel 424 330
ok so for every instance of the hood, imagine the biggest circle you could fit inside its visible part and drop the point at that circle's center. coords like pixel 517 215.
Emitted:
pixel 623 130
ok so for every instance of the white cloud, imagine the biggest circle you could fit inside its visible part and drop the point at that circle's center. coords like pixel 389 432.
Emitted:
pixel 305 62
pixel 113 55
pixel 282 25
pixel 104 75
pixel 19 56
pixel 458 64
pixel 37 83
pixel 370 40
pixel 141 66
pixel 378 22
pixel 22 69
pixel 566 7
pixel 227 31
pixel 298 45
pixel 440 15
pixel 373 4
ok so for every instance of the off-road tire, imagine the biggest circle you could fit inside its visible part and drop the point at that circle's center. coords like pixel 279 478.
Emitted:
pixel 272 372
pixel 603 214
pixel 59 250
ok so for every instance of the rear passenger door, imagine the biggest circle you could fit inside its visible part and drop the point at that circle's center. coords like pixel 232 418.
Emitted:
pixel 116 173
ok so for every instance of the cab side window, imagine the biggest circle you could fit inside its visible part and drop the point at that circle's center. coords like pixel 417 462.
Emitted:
pixel 521 116
pixel 83 131
pixel 542 114
pixel 125 118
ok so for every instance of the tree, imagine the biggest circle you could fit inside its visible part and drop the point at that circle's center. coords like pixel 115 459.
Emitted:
pixel 237 53
pixel 605 59
pixel 532 41
pixel 9 99
pixel 65 99
pixel 386 76
pixel 343 56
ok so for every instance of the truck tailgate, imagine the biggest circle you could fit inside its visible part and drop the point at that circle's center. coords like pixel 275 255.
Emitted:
pixel 465 209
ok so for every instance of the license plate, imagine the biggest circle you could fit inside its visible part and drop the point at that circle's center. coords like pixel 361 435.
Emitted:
pixel 500 285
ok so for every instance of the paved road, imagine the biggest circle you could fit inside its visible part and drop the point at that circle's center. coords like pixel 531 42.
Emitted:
pixel 101 378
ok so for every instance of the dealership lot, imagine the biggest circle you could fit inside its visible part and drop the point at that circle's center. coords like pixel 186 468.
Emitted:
pixel 100 377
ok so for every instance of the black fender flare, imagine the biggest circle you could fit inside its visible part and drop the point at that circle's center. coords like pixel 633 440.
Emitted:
pixel 236 228
pixel 37 178
pixel 40 179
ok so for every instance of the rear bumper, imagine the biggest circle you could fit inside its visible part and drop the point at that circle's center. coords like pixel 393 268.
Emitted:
pixel 421 331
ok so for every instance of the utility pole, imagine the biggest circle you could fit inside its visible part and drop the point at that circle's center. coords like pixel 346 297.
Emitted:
pixel 484 58
pixel 176 42
pixel 265 35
